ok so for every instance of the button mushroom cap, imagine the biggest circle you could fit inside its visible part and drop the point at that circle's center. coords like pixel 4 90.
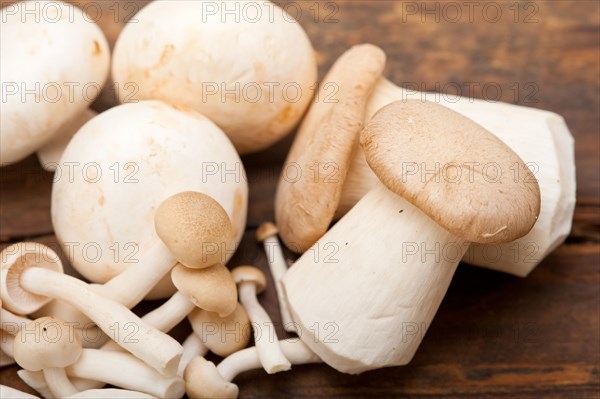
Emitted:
pixel 55 55
pixel 183 53
pixel 47 342
pixel 138 154
pixel 203 380
pixel 222 335
pixel 250 274
pixel 322 149
pixel 210 288
pixel 500 208
pixel 189 223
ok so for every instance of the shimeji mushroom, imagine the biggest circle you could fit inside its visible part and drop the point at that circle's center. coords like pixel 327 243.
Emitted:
pixel 49 155
pixel 316 166
pixel 220 335
pixel 252 281
pixel 30 278
pixel 239 70
pixel 541 138
pixel 205 380
pixel 267 234
pixel 126 161
pixel 49 344
pixel 54 62
pixel 398 248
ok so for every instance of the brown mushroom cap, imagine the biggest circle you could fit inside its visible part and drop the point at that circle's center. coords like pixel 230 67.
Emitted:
pixel 222 335
pixel 454 170
pixel 266 230
pixel 203 380
pixel 250 274
pixel 195 228
pixel 211 288
pixel 310 186
pixel 45 343
pixel 14 260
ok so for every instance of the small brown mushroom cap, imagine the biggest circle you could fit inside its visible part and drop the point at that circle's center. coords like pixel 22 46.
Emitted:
pixel 454 170
pixel 222 335
pixel 45 343
pixel 252 274
pixel 195 228
pixel 266 230
pixel 211 288
pixel 14 260
pixel 203 380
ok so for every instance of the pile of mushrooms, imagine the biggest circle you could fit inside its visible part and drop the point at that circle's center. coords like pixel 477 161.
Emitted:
pixel 150 198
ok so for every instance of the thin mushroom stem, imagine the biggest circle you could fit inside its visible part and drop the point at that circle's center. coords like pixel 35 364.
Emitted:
pixel 36 381
pixel 272 359
pixel 192 347
pixel 267 233
pixel 249 359
pixel 58 382
pixel 153 347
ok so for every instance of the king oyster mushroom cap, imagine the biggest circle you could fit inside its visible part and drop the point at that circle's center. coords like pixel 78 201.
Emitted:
pixel 211 288
pixel 137 155
pixel 386 241
pixel 59 54
pixel 49 155
pixel 194 54
pixel 222 335
pixel 541 138
pixel 179 226
pixel 49 344
pixel 321 153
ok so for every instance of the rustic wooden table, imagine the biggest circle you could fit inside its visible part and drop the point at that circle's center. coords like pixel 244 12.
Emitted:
pixel 494 335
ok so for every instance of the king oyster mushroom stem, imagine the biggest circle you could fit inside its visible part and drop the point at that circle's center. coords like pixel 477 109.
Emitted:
pixel 75 55
pixel 7 392
pixel 140 139
pixel 205 380
pixel 385 241
pixel 49 344
pixel 188 64
pixel 267 234
pixel 29 279
pixel 541 138
pixel 252 281
pixel 322 149
pixel 49 155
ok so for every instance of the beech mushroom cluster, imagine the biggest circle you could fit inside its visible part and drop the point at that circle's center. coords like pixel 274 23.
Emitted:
pixel 156 189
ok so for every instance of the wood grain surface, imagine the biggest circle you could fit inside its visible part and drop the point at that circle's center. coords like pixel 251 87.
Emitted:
pixel 495 335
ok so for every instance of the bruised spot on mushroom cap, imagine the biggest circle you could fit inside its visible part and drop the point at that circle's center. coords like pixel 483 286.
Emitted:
pixel 47 342
pixel 266 230
pixel 211 288
pixel 195 228
pixel 203 380
pixel 458 173
pixel 253 274
pixel 14 260
pixel 222 335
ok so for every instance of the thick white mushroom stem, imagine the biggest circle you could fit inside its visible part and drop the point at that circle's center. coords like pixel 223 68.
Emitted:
pixel 249 359
pixel 192 347
pixel 267 233
pixel 7 392
pixel 373 286
pixel 110 394
pixel 271 356
pixel 147 343
pixel 58 382
pixel 35 380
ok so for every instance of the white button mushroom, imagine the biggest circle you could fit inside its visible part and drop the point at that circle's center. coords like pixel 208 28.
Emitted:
pixel 49 344
pixel 251 73
pixel 396 256
pixel 252 281
pixel 125 162
pixel 204 380
pixel 30 278
pixel 267 234
pixel 54 62
pixel 322 149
